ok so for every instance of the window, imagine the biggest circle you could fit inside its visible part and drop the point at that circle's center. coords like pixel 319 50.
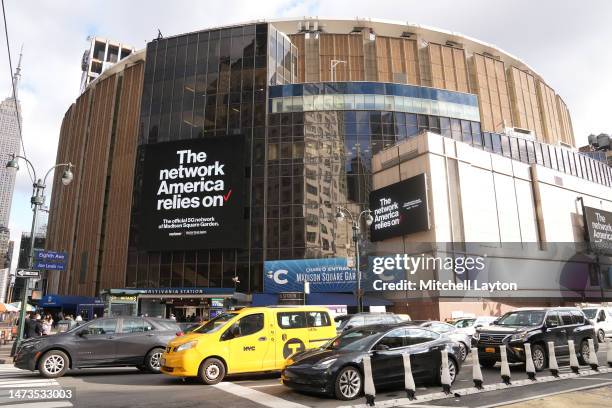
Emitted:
pixel 441 327
pixel 317 319
pixel 393 339
pixel 105 326
pixel 577 317
pixel 249 324
pixel 566 317
pixel 136 326
pixel 601 317
pixel 552 319
pixel 418 336
pixel 291 320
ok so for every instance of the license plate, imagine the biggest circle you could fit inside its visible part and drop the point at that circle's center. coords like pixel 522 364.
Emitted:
pixel 489 349
pixel 163 361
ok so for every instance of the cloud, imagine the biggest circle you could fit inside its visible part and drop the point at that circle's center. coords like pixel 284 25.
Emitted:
pixel 563 40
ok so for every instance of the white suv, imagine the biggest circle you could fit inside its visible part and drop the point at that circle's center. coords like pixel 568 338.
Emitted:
pixel 602 320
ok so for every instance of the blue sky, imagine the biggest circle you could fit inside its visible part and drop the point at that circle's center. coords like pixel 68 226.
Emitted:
pixel 565 41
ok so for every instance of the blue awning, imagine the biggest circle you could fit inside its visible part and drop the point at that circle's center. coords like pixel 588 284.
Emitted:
pixel 347 299
pixel 68 301
pixel 264 299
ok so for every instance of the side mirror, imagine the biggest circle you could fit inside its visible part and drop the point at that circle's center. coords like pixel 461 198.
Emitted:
pixel 83 333
pixel 600 319
pixel 381 347
pixel 349 327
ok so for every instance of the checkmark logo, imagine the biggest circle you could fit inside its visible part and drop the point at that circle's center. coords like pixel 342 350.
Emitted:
pixel 227 196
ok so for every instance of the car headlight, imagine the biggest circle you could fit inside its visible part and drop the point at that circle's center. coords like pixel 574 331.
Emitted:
pixel 519 336
pixel 186 346
pixel 322 365
pixel 30 345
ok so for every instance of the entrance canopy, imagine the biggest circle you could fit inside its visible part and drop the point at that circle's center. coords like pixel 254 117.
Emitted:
pixel 333 298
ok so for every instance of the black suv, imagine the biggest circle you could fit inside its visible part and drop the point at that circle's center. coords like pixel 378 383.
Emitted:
pixel 536 326
pixel 346 322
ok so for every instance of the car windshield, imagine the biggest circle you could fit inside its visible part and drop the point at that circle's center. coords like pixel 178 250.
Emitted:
pixel 341 321
pixel 464 323
pixel 215 324
pixel 590 313
pixel 354 340
pixel 522 318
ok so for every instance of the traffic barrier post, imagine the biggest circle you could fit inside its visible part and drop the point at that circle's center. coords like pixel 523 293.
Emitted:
pixel 573 359
pixel 476 372
pixel 368 382
pixel 505 368
pixel 552 360
pixel 593 356
pixel 609 353
pixel 409 385
pixel 529 367
pixel 445 375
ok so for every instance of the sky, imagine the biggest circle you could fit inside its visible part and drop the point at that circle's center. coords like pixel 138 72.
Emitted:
pixel 566 41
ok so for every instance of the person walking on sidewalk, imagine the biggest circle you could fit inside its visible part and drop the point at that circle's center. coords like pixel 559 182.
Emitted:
pixel 47 324
pixel 33 327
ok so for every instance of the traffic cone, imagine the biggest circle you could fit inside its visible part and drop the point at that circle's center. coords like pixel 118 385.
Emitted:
pixel 531 372
pixel 368 382
pixel 476 372
pixel 408 379
pixel 505 368
pixel 593 356
pixel 609 354
pixel 552 360
pixel 573 359
pixel 445 376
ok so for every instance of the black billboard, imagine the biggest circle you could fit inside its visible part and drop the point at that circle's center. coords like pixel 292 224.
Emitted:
pixel 399 209
pixel 599 229
pixel 192 194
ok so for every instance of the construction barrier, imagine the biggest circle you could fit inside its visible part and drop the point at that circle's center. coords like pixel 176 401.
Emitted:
pixel 445 375
pixel 409 385
pixel 505 368
pixel 476 372
pixel 593 356
pixel 573 359
pixel 529 368
pixel 609 353
pixel 368 382
pixel 552 360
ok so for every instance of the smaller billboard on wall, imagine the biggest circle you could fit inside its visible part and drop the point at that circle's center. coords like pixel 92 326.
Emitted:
pixel 324 275
pixel 599 229
pixel 399 209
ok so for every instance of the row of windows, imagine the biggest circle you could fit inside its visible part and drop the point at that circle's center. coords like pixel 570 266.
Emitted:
pixel 373 88
pixel 353 102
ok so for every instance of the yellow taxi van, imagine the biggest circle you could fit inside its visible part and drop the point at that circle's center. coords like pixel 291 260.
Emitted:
pixel 253 339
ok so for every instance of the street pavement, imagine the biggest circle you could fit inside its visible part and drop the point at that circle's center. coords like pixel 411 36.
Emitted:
pixel 127 387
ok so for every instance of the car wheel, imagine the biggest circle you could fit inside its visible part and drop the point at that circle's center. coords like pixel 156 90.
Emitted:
pixel 153 360
pixel 585 351
pixel 463 351
pixel 452 371
pixel 53 364
pixel 601 336
pixel 487 363
pixel 212 371
pixel 538 355
pixel 348 383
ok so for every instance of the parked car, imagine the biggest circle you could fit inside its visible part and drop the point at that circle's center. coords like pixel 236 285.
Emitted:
pixel 602 320
pixel 347 322
pixel 536 326
pixel 470 325
pixel 103 342
pixel 337 368
pixel 463 339
pixel 255 339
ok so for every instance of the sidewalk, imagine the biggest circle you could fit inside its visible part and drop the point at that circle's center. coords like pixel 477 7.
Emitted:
pixel 592 398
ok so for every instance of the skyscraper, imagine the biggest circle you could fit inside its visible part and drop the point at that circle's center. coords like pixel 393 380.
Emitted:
pixel 10 116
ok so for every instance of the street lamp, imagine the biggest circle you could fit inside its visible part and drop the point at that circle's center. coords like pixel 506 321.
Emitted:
pixel 37 201
pixel 356 222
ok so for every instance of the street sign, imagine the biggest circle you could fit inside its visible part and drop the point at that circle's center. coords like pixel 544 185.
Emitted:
pixel 27 273
pixel 50 260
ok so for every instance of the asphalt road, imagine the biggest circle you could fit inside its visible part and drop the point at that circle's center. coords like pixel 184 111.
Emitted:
pixel 126 387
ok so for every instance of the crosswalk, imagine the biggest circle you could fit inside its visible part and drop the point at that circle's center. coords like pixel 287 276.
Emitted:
pixel 26 382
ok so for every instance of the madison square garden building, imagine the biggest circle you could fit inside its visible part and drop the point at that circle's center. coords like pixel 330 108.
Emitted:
pixel 208 154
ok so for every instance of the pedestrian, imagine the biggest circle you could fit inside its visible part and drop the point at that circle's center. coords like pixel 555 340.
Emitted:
pixel 172 316
pixel 78 320
pixel 47 324
pixel 33 327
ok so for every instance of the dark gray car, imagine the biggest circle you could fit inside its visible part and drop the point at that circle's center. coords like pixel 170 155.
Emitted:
pixel 104 342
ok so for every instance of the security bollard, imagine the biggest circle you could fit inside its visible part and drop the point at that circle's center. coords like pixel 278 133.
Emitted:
pixel 408 379
pixel 529 367
pixel 593 356
pixel 552 360
pixel 609 353
pixel 573 359
pixel 445 375
pixel 505 368
pixel 476 372
pixel 368 382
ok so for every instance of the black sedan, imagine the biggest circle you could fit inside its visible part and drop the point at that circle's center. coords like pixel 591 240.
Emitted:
pixel 337 368
pixel 104 342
